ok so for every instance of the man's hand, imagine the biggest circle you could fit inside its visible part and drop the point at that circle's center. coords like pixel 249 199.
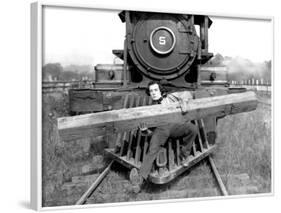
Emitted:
pixel 144 129
pixel 183 106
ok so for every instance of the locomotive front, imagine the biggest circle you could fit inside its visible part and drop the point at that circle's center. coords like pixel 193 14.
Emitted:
pixel 170 48
pixel 162 47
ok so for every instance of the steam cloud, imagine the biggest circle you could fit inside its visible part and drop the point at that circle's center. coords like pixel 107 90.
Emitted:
pixel 241 69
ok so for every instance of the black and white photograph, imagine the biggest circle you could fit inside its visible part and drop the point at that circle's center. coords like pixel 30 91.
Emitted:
pixel 153 105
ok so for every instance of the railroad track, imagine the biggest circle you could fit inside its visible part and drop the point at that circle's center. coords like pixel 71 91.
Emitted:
pixel 205 181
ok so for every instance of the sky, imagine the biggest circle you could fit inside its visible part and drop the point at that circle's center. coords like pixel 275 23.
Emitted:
pixel 87 36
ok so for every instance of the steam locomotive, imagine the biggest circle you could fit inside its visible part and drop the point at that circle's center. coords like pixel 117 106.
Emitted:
pixel 164 47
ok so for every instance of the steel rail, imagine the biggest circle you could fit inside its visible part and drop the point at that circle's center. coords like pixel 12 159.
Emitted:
pixel 94 186
pixel 217 176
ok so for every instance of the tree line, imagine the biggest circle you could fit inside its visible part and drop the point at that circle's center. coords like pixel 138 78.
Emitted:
pixel 56 72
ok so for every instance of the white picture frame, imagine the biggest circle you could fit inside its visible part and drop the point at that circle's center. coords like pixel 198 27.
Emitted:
pixel 36 96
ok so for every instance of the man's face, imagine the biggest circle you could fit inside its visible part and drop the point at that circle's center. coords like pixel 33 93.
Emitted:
pixel 155 92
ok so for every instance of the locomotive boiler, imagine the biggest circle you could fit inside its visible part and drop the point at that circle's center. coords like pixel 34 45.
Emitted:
pixel 169 48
